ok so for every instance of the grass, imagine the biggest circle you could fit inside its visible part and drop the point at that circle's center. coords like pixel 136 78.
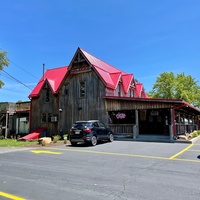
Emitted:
pixel 15 143
pixel 18 143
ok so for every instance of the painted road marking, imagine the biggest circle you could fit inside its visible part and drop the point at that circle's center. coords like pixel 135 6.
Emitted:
pixel 180 152
pixel 45 151
pixel 174 157
pixel 109 153
pixel 10 196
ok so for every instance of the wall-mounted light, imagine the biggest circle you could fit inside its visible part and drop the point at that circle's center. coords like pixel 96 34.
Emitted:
pixel 60 109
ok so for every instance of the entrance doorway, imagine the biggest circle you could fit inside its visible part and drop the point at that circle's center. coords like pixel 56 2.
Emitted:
pixel 154 121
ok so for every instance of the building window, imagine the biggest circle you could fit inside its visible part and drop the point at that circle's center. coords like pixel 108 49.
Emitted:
pixel 122 117
pixel 49 117
pixel 119 90
pixel 47 95
pixel 131 92
pixel 82 89
pixel 44 117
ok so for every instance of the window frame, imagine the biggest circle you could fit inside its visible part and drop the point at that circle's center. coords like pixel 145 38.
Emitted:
pixel 44 118
pixel 47 97
pixel 82 92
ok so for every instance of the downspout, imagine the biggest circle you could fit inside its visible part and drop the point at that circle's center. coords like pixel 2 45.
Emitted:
pixel 30 117
pixel 58 108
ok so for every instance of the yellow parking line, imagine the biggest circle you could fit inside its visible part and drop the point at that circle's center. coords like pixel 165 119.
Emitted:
pixel 10 196
pixel 180 152
pixel 133 155
pixel 111 153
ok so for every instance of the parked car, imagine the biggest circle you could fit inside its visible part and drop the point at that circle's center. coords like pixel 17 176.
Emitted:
pixel 90 132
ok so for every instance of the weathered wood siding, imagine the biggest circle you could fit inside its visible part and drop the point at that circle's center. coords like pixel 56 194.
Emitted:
pixel 123 104
pixel 75 108
pixel 40 106
pixel 22 106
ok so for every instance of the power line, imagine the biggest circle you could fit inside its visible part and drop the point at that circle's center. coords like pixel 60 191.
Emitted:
pixel 5 75
pixel 23 69
pixel 16 80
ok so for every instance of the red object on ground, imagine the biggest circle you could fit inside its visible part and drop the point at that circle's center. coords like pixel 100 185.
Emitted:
pixel 31 136
pixel 35 134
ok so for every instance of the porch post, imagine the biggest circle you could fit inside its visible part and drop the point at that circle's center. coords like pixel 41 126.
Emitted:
pixel 171 126
pixel 6 127
pixel 136 126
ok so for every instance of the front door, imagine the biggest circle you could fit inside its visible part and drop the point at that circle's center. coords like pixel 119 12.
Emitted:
pixel 154 122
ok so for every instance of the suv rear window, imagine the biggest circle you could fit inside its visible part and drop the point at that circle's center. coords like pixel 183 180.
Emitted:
pixel 82 125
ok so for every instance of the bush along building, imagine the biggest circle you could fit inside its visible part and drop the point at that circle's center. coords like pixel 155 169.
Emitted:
pixel 90 88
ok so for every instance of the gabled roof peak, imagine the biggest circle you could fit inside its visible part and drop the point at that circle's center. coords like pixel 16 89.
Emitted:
pixel 53 76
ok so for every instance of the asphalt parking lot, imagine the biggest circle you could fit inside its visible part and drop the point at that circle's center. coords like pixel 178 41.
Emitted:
pixel 152 150
pixel 121 170
pixel 149 150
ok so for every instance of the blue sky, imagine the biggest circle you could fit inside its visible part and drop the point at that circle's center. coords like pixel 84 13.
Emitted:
pixel 143 37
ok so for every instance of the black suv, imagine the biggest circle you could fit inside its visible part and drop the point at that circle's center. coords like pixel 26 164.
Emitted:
pixel 89 132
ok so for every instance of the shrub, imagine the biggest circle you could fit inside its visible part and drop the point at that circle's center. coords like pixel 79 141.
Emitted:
pixel 56 138
pixel 43 143
pixel 1 137
pixel 195 134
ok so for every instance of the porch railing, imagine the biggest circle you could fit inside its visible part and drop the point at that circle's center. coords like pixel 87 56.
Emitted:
pixel 125 130
pixel 185 128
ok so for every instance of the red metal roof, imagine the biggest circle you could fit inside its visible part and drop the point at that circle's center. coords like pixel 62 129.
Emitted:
pixel 111 75
pixel 100 64
pixel 108 74
pixel 115 78
pixel 139 88
pixel 126 80
pixel 105 77
pixel 54 78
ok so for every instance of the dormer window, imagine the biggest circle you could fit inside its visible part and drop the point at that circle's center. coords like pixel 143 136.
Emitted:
pixel 119 90
pixel 131 92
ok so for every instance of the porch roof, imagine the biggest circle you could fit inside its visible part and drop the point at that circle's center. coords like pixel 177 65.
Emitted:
pixel 177 103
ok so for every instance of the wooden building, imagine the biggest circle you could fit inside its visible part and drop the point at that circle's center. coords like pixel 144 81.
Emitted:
pixel 21 117
pixel 14 118
pixel 89 88
pixel 7 110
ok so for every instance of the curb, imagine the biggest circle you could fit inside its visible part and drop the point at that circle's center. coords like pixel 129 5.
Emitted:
pixel 123 138
pixel 188 141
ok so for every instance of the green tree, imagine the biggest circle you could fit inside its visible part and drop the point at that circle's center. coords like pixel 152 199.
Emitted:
pixel 4 61
pixel 176 87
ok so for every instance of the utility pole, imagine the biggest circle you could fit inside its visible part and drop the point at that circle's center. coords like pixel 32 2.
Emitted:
pixel 43 70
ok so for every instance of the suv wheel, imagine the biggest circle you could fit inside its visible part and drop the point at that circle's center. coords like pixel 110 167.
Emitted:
pixel 94 140
pixel 111 138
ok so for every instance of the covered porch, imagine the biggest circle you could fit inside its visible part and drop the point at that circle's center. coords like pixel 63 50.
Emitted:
pixel 151 118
